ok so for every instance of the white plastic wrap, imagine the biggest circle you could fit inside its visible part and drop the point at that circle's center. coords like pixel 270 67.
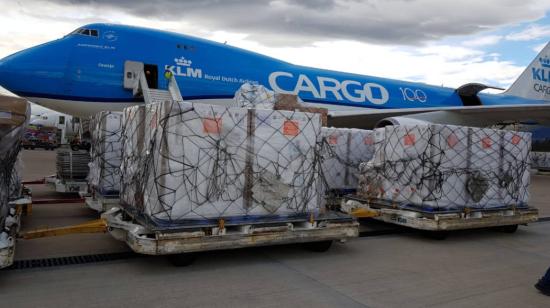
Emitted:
pixel 540 160
pixel 343 149
pixel 254 96
pixel 106 153
pixel 445 167
pixel 194 161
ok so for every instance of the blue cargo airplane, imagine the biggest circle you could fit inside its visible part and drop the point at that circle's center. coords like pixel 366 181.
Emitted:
pixel 91 69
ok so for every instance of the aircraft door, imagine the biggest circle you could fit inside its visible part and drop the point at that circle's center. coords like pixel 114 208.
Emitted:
pixel 152 75
pixel 132 69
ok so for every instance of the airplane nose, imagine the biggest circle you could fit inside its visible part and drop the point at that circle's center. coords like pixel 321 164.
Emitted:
pixel 37 70
pixel 4 71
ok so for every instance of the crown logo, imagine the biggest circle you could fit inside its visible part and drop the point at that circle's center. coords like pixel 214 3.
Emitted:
pixel 545 61
pixel 182 61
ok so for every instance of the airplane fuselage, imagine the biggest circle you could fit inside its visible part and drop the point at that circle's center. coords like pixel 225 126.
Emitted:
pixel 82 73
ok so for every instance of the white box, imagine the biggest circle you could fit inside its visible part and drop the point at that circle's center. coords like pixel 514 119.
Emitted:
pixel 106 152
pixel 343 149
pixel 200 161
pixel 445 167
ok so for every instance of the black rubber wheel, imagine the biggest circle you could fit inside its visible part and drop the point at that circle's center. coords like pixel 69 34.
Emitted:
pixel 75 147
pixel 182 259
pixel 508 229
pixel 322 246
pixel 32 148
pixel 436 235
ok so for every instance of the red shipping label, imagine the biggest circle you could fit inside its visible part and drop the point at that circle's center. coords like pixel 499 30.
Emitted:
pixel 452 140
pixel 291 128
pixel 333 139
pixel 516 139
pixel 212 125
pixel 409 139
pixel 486 143
pixel 369 140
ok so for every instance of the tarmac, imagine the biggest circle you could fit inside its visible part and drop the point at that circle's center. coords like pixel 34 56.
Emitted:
pixel 475 268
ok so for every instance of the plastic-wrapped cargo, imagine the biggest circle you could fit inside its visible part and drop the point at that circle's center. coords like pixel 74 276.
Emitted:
pixel 254 96
pixel 448 167
pixel 106 153
pixel 343 149
pixel 540 160
pixel 14 115
pixel 185 163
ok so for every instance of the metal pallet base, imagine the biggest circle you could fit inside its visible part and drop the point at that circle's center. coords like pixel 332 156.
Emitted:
pixel 13 222
pixel 447 221
pixel 144 241
pixel 102 203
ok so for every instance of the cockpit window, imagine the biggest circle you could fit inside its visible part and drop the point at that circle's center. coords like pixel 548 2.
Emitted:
pixel 87 32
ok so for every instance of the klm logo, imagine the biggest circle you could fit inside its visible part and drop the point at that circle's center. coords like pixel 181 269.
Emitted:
pixel 542 74
pixel 183 68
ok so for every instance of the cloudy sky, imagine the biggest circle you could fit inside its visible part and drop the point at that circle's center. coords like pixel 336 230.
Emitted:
pixel 434 41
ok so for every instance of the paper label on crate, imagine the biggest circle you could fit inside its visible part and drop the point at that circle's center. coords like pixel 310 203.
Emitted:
pixel 516 139
pixel 368 140
pixel 291 128
pixel 486 142
pixel 409 139
pixel 333 139
pixel 452 140
pixel 5 115
pixel 212 125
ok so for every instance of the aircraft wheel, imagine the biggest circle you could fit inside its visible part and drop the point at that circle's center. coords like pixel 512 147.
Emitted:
pixel 508 229
pixel 322 246
pixel 182 259
pixel 436 235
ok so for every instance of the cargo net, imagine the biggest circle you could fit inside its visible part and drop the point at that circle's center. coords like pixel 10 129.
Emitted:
pixel 442 167
pixel 10 145
pixel 72 165
pixel 342 151
pixel 540 160
pixel 186 163
pixel 106 153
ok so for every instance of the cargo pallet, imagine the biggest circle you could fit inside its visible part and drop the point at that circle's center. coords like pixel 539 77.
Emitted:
pixel 13 222
pixel 101 203
pixel 448 220
pixel 207 237
pixel 67 185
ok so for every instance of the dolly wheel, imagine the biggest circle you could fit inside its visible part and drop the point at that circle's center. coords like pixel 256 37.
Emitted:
pixel 508 229
pixel 322 246
pixel 436 235
pixel 182 259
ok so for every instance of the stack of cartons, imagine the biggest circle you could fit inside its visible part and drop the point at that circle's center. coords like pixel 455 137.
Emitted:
pixel 343 149
pixel 15 113
pixel 192 162
pixel 448 167
pixel 540 160
pixel 106 153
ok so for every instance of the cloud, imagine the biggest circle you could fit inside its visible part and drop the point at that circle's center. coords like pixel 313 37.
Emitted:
pixel 486 40
pixel 293 22
pixel 530 33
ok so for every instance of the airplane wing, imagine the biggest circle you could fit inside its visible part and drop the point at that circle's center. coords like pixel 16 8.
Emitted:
pixel 478 116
